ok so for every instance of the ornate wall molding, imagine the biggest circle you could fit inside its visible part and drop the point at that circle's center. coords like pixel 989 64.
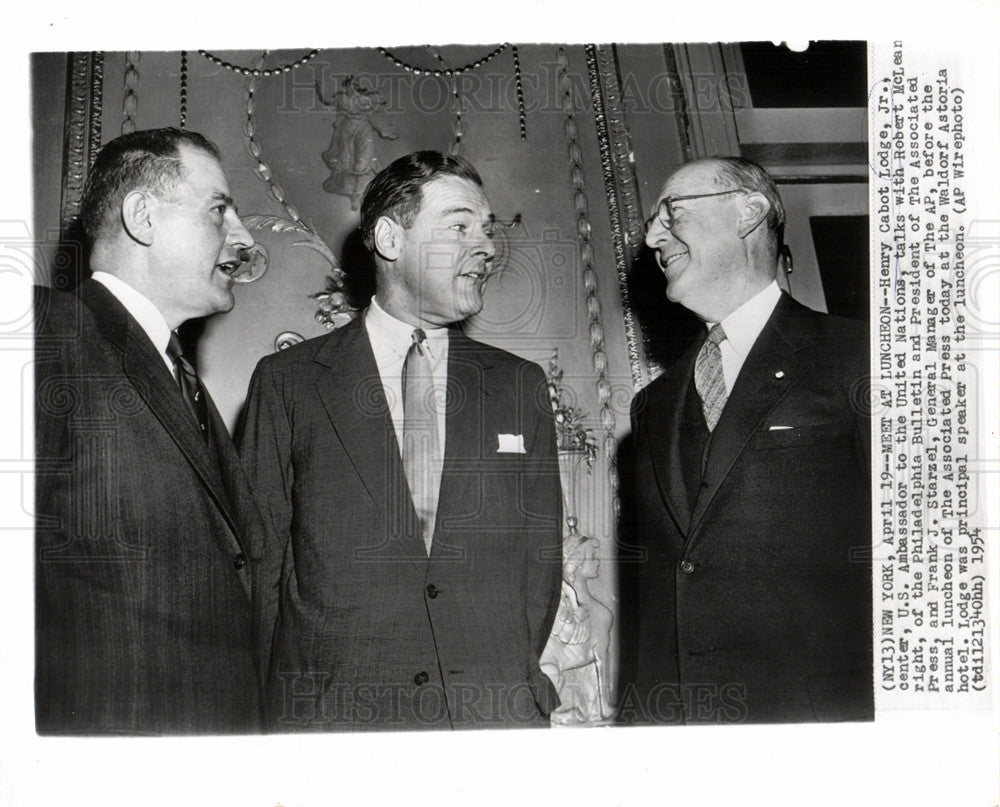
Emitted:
pixel 82 127
pixel 621 187
pixel 96 105
pixel 711 120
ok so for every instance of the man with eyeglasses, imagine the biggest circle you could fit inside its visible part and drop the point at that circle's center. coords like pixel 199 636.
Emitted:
pixel 145 521
pixel 749 490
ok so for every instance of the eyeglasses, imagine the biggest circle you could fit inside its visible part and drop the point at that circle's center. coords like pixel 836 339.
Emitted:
pixel 665 209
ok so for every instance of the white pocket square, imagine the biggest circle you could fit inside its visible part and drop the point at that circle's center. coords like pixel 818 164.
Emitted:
pixel 510 444
pixel 779 428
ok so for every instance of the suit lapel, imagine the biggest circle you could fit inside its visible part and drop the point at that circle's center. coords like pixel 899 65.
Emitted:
pixel 771 369
pixel 465 434
pixel 352 394
pixel 151 380
pixel 666 420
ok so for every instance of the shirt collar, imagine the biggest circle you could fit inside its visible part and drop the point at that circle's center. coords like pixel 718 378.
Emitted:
pixel 744 325
pixel 398 335
pixel 140 307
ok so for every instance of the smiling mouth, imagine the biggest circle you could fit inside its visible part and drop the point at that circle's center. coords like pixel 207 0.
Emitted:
pixel 666 262
pixel 229 267
pixel 475 274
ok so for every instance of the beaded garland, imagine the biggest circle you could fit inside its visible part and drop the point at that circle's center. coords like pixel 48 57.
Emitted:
pixel 258 72
pixel 451 72
pixel 448 71
pixel 262 169
pixel 184 89
pixel 519 88
pixel 605 391
pixel 457 126
pixel 130 101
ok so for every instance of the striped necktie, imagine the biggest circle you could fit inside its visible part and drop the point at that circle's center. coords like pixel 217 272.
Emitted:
pixel 708 377
pixel 190 386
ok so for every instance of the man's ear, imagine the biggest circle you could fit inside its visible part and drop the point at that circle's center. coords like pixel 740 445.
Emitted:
pixel 752 214
pixel 137 217
pixel 387 238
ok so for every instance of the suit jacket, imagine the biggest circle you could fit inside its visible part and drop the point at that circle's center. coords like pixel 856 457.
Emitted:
pixel 755 604
pixel 367 630
pixel 143 594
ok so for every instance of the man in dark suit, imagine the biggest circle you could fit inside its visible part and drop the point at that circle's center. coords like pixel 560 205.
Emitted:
pixel 410 476
pixel 145 519
pixel 750 496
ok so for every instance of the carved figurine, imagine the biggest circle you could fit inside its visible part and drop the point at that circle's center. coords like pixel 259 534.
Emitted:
pixel 351 156
pixel 577 656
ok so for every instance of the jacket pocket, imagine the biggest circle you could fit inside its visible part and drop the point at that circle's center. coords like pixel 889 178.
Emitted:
pixel 805 435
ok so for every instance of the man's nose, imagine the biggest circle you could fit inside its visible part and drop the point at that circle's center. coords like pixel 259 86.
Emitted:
pixel 486 247
pixel 657 235
pixel 238 235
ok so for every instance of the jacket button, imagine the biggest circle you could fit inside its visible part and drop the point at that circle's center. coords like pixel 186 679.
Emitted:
pixel 239 561
pixel 433 591
pixel 687 566
pixel 421 678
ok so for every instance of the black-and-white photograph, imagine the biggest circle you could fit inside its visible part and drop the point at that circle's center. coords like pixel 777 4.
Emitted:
pixel 625 392
pixel 419 289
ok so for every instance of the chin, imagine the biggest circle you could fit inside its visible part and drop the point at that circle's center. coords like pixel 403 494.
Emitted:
pixel 470 308
pixel 671 294
pixel 224 304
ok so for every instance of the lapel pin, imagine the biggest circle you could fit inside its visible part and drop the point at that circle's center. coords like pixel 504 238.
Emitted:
pixel 779 374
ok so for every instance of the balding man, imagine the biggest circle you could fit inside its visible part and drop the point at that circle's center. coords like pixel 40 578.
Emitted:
pixel 751 479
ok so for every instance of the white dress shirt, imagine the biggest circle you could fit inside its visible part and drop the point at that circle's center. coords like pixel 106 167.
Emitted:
pixel 143 311
pixel 742 328
pixel 390 340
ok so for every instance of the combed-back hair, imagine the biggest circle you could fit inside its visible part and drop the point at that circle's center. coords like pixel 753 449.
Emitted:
pixel 397 190
pixel 748 175
pixel 147 160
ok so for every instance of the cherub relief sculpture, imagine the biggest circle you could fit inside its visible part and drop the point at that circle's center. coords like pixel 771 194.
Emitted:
pixel 577 656
pixel 351 156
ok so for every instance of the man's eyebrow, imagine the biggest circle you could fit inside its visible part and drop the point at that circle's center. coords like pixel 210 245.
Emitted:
pixel 451 210
pixel 219 196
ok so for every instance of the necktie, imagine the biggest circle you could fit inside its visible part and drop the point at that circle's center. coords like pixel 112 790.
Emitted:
pixel 421 448
pixel 708 378
pixel 190 386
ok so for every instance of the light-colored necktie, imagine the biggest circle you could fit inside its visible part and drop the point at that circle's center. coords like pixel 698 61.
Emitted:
pixel 421 447
pixel 708 377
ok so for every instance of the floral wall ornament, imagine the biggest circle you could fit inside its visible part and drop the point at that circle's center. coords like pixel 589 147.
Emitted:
pixel 351 155
pixel 334 309
pixel 571 434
